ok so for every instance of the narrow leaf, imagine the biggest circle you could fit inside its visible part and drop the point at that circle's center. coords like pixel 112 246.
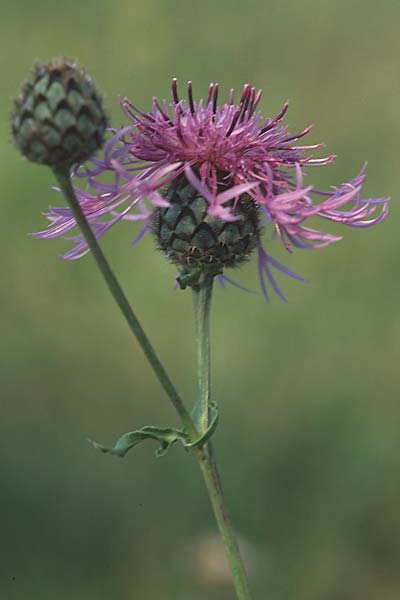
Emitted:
pixel 166 436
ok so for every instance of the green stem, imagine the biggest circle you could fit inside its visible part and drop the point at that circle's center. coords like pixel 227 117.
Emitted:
pixel 64 180
pixel 212 480
pixel 202 294
pixel 205 455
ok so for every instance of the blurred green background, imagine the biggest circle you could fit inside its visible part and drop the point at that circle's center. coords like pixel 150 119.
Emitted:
pixel 308 442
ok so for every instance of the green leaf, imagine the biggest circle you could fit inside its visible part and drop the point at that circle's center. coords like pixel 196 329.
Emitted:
pixel 166 436
pixel 214 416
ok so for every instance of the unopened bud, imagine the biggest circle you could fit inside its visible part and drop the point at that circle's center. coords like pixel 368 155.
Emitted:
pixel 59 118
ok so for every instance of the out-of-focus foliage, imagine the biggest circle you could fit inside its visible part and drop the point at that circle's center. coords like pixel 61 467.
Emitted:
pixel 313 478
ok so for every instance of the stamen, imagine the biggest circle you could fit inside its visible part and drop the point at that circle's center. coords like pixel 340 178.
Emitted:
pixel 190 96
pixel 235 119
pixel 251 103
pixel 179 127
pixel 209 94
pixel 277 118
pixel 215 98
pixel 158 105
pixel 299 135
pixel 130 109
pixel 282 112
pixel 244 92
pixel 257 100
pixel 245 99
pixel 175 90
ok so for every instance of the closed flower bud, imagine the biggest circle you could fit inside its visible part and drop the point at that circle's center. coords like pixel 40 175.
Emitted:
pixel 58 119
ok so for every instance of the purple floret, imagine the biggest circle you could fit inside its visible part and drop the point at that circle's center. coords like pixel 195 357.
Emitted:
pixel 212 144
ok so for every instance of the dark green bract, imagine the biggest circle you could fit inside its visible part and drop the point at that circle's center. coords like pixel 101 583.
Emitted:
pixel 198 242
pixel 58 118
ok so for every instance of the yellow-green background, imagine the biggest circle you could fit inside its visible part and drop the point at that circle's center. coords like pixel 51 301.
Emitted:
pixel 309 435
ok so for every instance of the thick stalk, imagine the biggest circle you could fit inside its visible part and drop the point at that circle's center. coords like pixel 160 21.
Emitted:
pixel 204 455
pixel 64 180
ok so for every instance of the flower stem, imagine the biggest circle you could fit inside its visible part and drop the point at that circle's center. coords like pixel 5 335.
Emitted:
pixel 64 180
pixel 202 294
pixel 212 480
pixel 205 455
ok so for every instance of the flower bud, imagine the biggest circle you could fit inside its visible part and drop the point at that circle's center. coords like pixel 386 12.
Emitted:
pixel 197 241
pixel 58 118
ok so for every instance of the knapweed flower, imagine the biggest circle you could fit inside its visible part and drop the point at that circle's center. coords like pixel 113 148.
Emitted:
pixel 206 180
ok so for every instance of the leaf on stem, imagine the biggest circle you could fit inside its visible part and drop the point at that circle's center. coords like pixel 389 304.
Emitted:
pixel 214 416
pixel 166 436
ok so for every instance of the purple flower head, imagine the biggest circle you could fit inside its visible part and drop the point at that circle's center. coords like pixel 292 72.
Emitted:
pixel 244 169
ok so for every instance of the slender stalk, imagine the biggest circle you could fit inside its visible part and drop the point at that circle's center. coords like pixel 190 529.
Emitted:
pixel 212 480
pixel 64 180
pixel 205 455
pixel 202 305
